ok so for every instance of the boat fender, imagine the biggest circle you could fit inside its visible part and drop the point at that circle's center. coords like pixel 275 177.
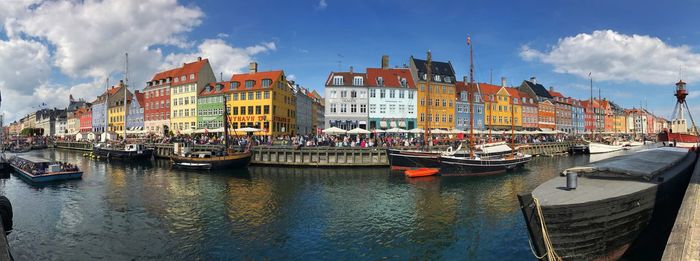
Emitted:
pixel 6 214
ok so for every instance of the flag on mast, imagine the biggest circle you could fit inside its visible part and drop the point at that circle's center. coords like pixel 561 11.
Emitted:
pixel 469 40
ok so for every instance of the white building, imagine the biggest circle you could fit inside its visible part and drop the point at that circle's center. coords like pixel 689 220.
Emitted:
pixel 346 100
pixel 392 97
pixel 304 109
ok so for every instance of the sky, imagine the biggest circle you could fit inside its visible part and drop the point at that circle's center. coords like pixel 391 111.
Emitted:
pixel 634 50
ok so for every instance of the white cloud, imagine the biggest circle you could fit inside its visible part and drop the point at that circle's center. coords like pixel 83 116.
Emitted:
pixel 612 56
pixel 91 37
pixel 291 77
pixel 222 35
pixel 321 5
pixel 222 56
pixel 23 65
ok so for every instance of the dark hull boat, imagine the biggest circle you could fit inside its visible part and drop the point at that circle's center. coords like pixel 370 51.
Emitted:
pixel 465 166
pixel 410 159
pixel 612 204
pixel 233 160
pixel 130 152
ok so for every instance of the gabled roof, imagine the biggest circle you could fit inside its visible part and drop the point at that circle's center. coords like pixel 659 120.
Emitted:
pixel 391 77
pixel 347 78
pixel 191 68
pixel 487 90
pixel 212 89
pixel 257 77
pixel 539 89
pixel 437 68
pixel 139 98
pixel 556 94
pixel 165 74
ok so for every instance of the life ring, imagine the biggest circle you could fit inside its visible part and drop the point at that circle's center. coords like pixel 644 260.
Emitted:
pixel 449 149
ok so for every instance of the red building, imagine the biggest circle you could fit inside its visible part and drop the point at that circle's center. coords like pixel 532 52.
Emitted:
pixel 85 115
pixel 546 115
pixel 156 101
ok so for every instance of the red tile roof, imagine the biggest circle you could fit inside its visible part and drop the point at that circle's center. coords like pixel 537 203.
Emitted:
pixel 487 90
pixel 165 74
pixel 139 98
pixel 391 77
pixel 347 78
pixel 556 94
pixel 207 91
pixel 275 76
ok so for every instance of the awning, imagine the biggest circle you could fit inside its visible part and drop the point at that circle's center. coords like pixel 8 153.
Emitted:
pixel 402 124
pixel 382 124
pixel 392 124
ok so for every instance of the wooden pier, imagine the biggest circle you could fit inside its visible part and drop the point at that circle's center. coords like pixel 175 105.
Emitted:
pixel 684 241
pixel 322 156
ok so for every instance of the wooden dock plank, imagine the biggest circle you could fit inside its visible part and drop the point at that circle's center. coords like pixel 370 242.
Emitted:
pixel 684 241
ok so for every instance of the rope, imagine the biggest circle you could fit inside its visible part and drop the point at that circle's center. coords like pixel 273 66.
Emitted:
pixel 549 248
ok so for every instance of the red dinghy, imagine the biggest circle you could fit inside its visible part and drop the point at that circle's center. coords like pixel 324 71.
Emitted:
pixel 422 172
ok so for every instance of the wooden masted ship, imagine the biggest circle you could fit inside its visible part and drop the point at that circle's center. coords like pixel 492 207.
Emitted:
pixel 598 211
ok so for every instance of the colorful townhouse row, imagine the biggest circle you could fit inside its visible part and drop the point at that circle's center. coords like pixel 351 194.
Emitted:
pixel 386 97
pixel 189 99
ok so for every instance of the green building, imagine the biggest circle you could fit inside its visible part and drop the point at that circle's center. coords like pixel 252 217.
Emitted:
pixel 210 106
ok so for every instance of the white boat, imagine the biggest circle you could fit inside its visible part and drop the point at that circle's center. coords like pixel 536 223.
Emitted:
pixel 635 143
pixel 594 148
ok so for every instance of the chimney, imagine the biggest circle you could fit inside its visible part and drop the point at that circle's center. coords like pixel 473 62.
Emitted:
pixel 533 79
pixel 503 81
pixel 385 62
pixel 551 88
pixel 253 67
pixel 350 69
pixel 465 79
pixel 199 58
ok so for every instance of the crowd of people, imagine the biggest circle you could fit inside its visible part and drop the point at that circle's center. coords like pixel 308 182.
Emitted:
pixel 43 167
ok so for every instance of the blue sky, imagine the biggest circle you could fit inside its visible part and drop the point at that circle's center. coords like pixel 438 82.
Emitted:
pixel 634 49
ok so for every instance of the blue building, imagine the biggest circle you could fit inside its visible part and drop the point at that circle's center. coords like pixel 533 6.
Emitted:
pixel 578 117
pixel 134 117
pixel 462 108
pixel 99 114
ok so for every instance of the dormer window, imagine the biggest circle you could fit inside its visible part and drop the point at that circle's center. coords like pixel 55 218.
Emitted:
pixel 183 78
pixel 380 81
pixel 235 84
pixel 266 82
pixel 249 84
pixel 425 76
pixel 176 79
pixel 447 79
pixel 192 76
pixel 358 81
pixel 403 82
pixel 437 78
pixel 167 80
pixel 337 80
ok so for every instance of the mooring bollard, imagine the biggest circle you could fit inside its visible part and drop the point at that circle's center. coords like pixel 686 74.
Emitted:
pixel 571 179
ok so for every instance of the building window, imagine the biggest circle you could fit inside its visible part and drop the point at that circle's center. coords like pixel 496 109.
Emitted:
pixel 380 81
pixel 343 94
pixel 363 108
pixel 267 95
pixel 250 96
pixel 358 81
pixel 382 93
pixel 266 109
pixel 337 80
pixel 192 76
pixel 343 108
pixel 410 95
pixel 372 93
pixel 392 94
pixel 382 108
pixel 353 94
pixel 353 108
pixel 333 108
pixel 266 82
pixel 258 95
pixel 249 84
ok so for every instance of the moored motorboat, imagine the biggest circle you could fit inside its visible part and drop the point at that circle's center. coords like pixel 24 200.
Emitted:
pixel 186 159
pixel 40 170
pixel 595 147
pixel 128 152
pixel 421 172
pixel 475 166
pixel 597 211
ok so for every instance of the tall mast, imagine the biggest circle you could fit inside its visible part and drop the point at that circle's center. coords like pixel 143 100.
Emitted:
pixel 126 86
pixel 106 103
pixel 429 75
pixel 470 97
pixel 225 124
pixel 595 117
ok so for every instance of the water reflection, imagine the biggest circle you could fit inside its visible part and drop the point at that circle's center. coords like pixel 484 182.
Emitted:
pixel 129 210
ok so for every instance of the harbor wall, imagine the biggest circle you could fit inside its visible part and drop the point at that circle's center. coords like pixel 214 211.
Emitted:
pixel 321 156
pixel 684 241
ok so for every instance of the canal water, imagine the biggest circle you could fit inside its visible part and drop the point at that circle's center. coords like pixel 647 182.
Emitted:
pixel 126 210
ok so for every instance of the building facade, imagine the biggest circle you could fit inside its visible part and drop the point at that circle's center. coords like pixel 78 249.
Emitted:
pixel 462 111
pixel 392 98
pixel 187 83
pixel 157 102
pixel 86 119
pixel 578 119
pixel 304 110
pixel 262 100
pixel 116 109
pixel 346 97
pixel 134 115
pixel 497 106
pixel 210 105
pixel 435 96
pixel 562 105
pixel 530 117
pixel 547 115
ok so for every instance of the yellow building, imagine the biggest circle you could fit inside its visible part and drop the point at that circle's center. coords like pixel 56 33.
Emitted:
pixel 115 108
pixel 515 99
pixel 186 84
pixel 436 104
pixel 497 106
pixel 620 124
pixel 262 100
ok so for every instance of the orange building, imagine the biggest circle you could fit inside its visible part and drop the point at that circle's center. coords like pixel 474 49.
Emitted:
pixel 546 115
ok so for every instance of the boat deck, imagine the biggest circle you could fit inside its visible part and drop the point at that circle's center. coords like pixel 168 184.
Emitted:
pixel 684 241
pixel 615 177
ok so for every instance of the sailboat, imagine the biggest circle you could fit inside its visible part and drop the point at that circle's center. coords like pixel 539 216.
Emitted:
pixel 471 165
pixel 133 151
pixel 597 147
pixel 402 159
pixel 227 158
